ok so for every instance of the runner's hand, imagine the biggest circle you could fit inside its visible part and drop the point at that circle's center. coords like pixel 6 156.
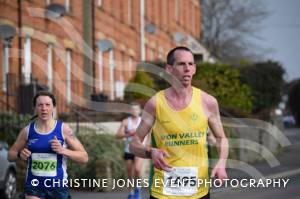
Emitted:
pixel 25 154
pixel 219 172
pixel 56 146
pixel 131 133
pixel 158 158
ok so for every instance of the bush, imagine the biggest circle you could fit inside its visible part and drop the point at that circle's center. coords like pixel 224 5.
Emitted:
pixel 66 117
pixel 10 126
pixel 105 159
pixel 222 81
pixel 141 87
pixel 159 78
pixel 266 82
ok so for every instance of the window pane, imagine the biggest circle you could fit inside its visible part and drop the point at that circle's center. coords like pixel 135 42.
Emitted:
pixel 49 66
pixel 27 60
pixel 5 71
pixel 68 75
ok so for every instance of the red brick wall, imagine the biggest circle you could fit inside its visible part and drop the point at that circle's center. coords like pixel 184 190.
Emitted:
pixel 111 22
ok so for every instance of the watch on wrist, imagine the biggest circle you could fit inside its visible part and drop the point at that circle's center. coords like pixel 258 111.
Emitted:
pixel 148 152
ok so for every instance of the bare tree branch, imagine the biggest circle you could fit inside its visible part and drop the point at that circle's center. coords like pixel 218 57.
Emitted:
pixel 227 26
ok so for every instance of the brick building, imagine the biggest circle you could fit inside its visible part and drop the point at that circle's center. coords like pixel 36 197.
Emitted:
pixel 76 48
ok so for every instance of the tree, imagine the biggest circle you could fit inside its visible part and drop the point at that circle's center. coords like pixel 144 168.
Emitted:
pixel 150 78
pixel 141 87
pixel 266 82
pixel 294 99
pixel 227 23
pixel 222 81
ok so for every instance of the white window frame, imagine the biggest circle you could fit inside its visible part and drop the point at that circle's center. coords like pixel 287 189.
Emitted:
pixel 27 60
pixel 50 66
pixel 120 87
pixel 120 66
pixel 48 2
pixel 5 67
pixel 111 74
pixel 100 69
pixel 68 75
pixel 160 53
pixel 99 3
pixel 67 5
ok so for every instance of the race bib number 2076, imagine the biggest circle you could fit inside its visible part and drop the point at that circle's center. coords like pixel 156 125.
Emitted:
pixel 44 164
pixel 181 181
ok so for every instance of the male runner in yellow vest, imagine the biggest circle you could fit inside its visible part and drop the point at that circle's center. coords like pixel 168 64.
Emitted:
pixel 179 118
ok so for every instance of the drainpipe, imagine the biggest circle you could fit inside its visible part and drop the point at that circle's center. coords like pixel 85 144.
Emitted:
pixel 94 46
pixel 142 24
pixel 87 52
pixel 20 39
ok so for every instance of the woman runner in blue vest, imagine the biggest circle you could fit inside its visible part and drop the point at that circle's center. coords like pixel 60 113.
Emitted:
pixel 45 144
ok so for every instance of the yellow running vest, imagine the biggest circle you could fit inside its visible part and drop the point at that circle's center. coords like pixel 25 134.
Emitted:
pixel 183 135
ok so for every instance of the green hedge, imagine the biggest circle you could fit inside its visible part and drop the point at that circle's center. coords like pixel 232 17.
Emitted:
pixel 141 87
pixel 10 126
pixel 105 159
pixel 222 81
pixel 266 80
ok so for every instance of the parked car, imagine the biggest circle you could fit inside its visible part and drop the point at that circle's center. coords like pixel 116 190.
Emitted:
pixel 289 121
pixel 8 179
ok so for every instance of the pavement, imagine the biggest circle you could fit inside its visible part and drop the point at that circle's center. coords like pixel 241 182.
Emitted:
pixel 289 169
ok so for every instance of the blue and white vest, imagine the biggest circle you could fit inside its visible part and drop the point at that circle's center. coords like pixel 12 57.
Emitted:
pixel 45 167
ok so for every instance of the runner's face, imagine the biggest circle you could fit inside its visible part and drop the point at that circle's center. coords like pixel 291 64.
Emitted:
pixel 183 67
pixel 135 111
pixel 44 107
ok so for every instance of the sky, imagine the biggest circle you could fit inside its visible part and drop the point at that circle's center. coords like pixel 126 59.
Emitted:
pixel 281 33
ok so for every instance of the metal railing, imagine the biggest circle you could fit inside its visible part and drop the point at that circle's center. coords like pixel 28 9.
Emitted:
pixel 17 98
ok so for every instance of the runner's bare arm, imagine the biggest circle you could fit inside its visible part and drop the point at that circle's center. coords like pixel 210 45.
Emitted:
pixel 147 121
pixel 121 131
pixel 75 150
pixel 136 147
pixel 215 125
pixel 19 147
